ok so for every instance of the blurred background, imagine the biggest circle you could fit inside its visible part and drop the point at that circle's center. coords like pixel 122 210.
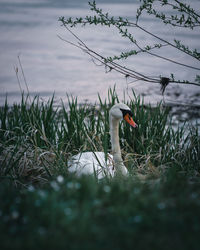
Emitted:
pixel 29 29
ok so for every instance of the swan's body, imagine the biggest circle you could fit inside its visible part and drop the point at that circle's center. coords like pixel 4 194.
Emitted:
pixel 90 163
pixel 94 162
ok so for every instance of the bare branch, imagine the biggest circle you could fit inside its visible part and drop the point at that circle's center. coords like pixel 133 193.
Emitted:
pixel 127 72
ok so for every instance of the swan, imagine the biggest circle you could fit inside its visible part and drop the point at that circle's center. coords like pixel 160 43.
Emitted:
pixel 93 163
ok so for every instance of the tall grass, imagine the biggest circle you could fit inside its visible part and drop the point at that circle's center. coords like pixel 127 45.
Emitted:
pixel 155 207
pixel 37 138
pixel 79 214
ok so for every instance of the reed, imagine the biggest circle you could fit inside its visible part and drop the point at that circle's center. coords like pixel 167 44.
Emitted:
pixel 152 208
pixel 37 137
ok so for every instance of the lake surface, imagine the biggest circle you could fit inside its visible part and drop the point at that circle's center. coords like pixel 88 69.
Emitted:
pixel 30 29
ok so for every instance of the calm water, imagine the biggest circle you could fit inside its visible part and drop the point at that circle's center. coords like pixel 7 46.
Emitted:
pixel 29 28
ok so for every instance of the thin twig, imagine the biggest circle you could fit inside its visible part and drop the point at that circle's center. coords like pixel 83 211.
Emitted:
pixel 115 66
pixel 25 82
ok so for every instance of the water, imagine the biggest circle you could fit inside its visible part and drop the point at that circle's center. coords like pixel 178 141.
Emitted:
pixel 29 29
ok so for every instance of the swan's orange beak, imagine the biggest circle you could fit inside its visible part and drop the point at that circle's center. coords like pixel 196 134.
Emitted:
pixel 130 121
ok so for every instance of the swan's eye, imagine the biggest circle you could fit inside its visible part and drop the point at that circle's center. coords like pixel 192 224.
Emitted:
pixel 125 112
pixel 127 115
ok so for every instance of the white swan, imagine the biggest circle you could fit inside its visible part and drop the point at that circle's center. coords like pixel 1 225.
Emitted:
pixel 94 162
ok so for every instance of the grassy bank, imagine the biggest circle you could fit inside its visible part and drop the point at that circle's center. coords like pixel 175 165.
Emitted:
pixel 42 205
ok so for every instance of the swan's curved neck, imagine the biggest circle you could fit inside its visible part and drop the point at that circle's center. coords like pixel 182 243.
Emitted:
pixel 114 134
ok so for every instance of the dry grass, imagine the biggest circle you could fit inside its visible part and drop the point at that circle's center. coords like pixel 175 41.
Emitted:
pixel 37 139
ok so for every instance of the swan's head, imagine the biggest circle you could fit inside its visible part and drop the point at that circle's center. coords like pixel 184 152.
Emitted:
pixel 122 111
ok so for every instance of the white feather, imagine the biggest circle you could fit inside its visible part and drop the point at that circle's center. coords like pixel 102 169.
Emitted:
pixel 89 163
pixel 93 163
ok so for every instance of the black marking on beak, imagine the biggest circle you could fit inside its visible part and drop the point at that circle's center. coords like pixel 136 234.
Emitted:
pixel 125 111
